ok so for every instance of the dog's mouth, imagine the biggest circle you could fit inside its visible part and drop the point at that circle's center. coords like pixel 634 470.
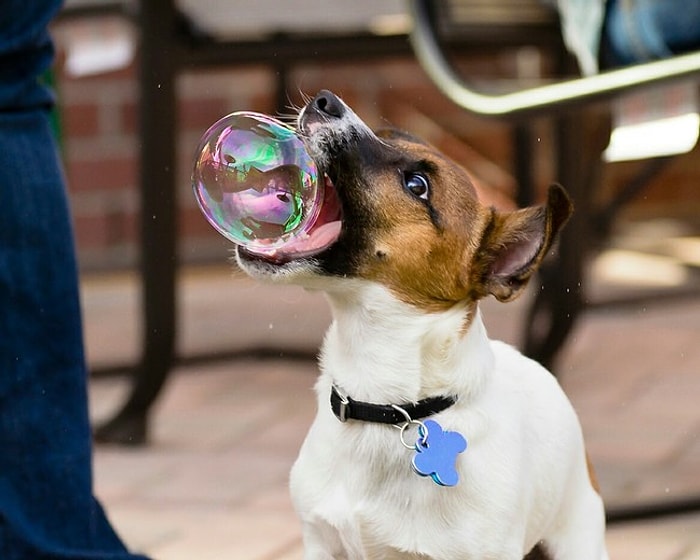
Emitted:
pixel 320 236
pixel 318 125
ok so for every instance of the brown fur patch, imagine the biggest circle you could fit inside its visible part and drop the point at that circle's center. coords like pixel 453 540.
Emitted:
pixel 450 248
pixel 471 314
pixel 420 252
pixel 592 475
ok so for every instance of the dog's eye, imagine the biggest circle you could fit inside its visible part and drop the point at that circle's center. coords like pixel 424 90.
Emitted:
pixel 417 184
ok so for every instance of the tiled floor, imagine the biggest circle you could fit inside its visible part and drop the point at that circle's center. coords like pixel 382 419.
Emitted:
pixel 212 484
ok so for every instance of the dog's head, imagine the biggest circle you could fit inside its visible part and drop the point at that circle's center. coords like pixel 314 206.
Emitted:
pixel 411 220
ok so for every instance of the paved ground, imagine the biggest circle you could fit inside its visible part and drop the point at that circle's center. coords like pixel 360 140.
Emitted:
pixel 212 485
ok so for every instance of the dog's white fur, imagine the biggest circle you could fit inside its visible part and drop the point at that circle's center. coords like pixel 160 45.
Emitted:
pixel 523 478
pixel 523 475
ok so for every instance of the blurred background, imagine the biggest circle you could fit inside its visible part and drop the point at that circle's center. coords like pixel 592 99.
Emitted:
pixel 204 473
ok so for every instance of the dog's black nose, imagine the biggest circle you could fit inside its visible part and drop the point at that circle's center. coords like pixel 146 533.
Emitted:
pixel 327 102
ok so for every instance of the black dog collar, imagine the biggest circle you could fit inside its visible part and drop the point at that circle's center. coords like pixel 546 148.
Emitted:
pixel 346 409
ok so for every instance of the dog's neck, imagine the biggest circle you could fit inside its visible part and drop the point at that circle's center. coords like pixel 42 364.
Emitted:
pixel 379 349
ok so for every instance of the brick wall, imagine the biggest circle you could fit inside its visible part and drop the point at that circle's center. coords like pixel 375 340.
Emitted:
pixel 100 142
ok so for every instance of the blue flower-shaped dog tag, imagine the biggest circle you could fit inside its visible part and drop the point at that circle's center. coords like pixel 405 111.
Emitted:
pixel 436 453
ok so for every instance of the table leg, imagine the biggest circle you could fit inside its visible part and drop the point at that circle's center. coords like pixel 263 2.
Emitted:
pixel 158 222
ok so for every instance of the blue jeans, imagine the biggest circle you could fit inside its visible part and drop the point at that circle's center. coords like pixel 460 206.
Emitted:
pixel 642 30
pixel 47 509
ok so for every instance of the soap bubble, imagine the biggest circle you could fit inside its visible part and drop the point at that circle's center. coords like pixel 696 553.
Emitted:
pixel 255 183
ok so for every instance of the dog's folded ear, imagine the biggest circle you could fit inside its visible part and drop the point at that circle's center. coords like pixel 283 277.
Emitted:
pixel 515 243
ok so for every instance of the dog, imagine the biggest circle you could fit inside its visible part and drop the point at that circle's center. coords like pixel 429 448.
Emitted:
pixel 431 441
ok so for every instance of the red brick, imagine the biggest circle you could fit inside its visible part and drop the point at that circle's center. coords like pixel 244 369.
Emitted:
pixel 193 223
pixel 80 119
pixel 202 113
pixel 105 229
pixel 129 118
pixel 90 231
pixel 263 102
pixel 108 173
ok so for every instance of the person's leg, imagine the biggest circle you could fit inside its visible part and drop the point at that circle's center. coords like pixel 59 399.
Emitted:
pixel 47 509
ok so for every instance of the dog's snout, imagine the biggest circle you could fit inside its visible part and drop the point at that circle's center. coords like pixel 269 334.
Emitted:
pixel 328 103
pixel 330 128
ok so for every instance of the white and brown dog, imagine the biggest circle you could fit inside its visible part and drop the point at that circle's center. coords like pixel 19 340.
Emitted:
pixel 405 251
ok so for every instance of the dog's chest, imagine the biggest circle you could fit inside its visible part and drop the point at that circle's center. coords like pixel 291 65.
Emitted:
pixel 355 481
pixel 364 490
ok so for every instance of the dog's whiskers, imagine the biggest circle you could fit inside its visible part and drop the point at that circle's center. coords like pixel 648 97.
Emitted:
pixel 305 98
pixel 289 118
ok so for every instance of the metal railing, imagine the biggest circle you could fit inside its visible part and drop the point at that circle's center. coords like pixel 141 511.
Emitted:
pixel 539 99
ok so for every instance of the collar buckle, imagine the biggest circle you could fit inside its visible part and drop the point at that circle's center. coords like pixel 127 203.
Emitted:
pixel 344 404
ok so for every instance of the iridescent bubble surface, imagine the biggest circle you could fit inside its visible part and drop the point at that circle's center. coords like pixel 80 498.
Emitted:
pixel 255 183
